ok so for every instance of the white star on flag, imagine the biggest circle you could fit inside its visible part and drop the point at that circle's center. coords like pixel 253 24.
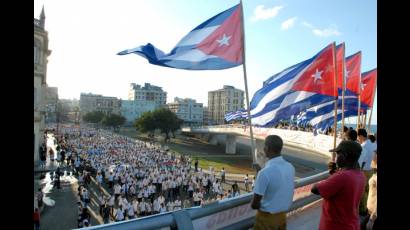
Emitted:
pixel 347 73
pixel 362 86
pixel 317 76
pixel 224 40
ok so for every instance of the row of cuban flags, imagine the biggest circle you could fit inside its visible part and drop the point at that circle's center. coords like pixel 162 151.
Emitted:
pixel 304 90
pixel 308 91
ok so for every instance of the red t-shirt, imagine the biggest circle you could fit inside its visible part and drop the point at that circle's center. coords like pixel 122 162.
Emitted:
pixel 341 194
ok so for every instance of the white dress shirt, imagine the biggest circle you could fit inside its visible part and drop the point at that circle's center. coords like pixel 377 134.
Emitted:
pixel 275 182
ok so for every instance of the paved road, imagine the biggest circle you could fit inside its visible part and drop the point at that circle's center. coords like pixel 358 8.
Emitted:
pixel 306 162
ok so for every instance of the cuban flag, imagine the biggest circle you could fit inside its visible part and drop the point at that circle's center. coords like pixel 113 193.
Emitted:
pixel 322 116
pixel 368 88
pixel 215 44
pixel 236 115
pixel 295 89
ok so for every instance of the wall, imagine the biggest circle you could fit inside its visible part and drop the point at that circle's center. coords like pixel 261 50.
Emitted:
pixel 319 143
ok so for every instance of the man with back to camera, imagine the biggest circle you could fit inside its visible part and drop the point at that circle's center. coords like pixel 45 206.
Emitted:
pixel 274 185
pixel 343 190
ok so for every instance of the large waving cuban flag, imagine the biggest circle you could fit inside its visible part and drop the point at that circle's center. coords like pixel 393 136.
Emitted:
pixel 215 44
pixel 295 89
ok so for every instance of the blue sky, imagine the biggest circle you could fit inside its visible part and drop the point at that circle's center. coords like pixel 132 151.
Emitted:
pixel 86 35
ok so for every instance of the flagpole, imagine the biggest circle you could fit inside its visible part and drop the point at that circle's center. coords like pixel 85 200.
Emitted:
pixel 343 89
pixel 364 120
pixel 253 153
pixel 370 118
pixel 335 117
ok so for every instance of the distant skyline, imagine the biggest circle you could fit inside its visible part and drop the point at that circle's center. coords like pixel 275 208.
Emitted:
pixel 85 37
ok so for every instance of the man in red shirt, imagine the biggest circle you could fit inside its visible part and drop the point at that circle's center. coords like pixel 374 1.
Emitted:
pixel 342 191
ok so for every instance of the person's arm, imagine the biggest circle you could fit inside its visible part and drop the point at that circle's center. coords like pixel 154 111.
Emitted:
pixel 261 184
pixel 256 201
pixel 329 187
pixel 314 190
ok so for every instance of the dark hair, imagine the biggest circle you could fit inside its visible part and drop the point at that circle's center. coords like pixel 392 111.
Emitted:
pixel 274 143
pixel 352 134
pixel 345 129
pixel 362 132
pixel 372 138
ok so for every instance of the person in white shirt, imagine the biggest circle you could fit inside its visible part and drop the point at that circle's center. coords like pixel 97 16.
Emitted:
pixel 170 206
pixel 273 191
pixel 148 208
pixel 136 207
pixel 119 214
pixel 246 182
pixel 130 212
pixel 117 191
pixel 142 207
pixel 365 161
pixel 177 204
pixel 196 198
pixel 111 201
pixel 140 195
pixel 163 208
pixel 223 175
pixel 156 206
pixel 372 198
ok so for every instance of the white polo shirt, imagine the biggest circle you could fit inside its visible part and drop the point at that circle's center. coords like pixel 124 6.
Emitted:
pixel 366 155
pixel 275 182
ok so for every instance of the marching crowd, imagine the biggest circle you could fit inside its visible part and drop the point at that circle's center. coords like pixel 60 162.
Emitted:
pixel 141 178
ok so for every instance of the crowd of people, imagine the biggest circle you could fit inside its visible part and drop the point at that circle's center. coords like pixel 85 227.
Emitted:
pixel 140 177
pixel 136 178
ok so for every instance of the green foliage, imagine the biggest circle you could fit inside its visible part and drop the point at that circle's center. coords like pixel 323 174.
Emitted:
pixel 145 123
pixel 93 117
pixel 162 119
pixel 113 120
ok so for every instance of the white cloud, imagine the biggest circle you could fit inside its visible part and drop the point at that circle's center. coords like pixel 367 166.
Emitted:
pixel 307 24
pixel 262 13
pixel 326 32
pixel 288 23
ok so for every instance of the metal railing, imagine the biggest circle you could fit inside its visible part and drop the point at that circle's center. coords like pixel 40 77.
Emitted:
pixel 183 219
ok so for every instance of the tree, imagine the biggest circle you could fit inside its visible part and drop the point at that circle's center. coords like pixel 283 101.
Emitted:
pixel 162 119
pixel 166 121
pixel 93 117
pixel 176 125
pixel 145 123
pixel 113 120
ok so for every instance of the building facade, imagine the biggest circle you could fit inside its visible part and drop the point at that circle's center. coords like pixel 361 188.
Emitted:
pixel 51 101
pixel 187 110
pixel 94 102
pixel 148 92
pixel 131 109
pixel 222 101
pixel 205 116
pixel 41 53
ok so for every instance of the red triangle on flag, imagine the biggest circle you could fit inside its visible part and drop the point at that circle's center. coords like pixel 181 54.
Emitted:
pixel 319 77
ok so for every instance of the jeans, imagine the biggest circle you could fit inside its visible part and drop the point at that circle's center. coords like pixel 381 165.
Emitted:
pixel 37 225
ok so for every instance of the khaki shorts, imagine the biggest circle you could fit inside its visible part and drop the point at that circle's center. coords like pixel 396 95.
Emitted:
pixel 275 221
